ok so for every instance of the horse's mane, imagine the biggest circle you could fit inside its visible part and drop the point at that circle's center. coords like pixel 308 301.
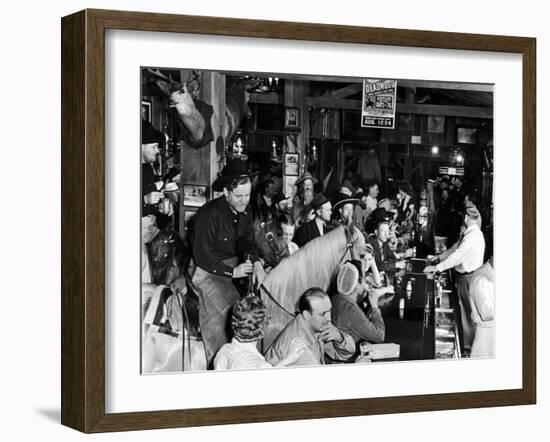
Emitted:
pixel 313 265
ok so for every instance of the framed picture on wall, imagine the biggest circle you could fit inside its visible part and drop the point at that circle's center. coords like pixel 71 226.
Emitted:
pixel 292 118
pixel 146 111
pixel 291 164
pixel 467 135
pixel 194 195
pixel 436 124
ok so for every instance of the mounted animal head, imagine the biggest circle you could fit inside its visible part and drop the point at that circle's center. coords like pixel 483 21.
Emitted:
pixel 237 96
pixel 194 114
pixel 177 93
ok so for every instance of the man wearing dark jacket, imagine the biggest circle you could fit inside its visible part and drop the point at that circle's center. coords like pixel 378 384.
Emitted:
pixel 223 249
pixel 312 229
pixel 385 258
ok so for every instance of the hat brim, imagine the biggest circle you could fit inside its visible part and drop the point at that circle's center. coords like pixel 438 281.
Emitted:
pixel 344 202
pixel 301 180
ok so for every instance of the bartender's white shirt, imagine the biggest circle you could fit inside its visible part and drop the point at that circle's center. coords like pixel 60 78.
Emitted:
pixel 468 254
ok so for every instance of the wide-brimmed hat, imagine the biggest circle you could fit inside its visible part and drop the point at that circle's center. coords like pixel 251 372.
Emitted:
pixel 306 176
pixel 318 200
pixel 381 214
pixel 149 134
pixel 342 199
pixel 234 168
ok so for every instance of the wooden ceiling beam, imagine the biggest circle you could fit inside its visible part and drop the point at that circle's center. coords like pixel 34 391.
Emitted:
pixel 344 92
pixel 266 98
pixel 428 84
pixel 445 110
pixel 405 108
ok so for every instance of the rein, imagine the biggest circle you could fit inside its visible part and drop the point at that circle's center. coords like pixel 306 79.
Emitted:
pixel 270 296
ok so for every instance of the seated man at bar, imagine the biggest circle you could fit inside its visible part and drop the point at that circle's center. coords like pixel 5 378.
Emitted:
pixel 223 241
pixel 312 325
pixel 347 313
pixel 386 259
pixel 316 227
pixel 465 256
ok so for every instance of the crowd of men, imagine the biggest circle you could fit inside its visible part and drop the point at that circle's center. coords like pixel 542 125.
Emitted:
pixel 253 222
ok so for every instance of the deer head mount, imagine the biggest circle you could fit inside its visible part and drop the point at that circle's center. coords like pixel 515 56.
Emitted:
pixel 196 115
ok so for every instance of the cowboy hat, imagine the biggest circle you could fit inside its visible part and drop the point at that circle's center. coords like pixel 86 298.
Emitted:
pixel 234 168
pixel 318 201
pixel 306 176
pixel 149 134
pixel 381 214
pixel 342 199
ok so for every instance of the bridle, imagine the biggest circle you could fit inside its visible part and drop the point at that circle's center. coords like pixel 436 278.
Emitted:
pixel 350 242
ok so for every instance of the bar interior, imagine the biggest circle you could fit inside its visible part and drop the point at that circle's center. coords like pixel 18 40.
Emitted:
pixel 408 164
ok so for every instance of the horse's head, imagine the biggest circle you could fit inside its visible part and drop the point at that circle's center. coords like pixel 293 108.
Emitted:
pixel 357 241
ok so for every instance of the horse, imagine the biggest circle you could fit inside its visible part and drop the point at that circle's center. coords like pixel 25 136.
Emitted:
pixel 313 265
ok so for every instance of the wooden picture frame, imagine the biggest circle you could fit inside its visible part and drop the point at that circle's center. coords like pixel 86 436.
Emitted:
pixel 292 118
pixel 194 195
pixel 83 334
pixel 467 135
pixel 147 111
pixel 291 164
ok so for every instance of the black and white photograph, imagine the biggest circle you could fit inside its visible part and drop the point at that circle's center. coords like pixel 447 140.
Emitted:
pixel 291 164
pixel 292 118
pixel 146 111
pixel 194 195
pixel 378 249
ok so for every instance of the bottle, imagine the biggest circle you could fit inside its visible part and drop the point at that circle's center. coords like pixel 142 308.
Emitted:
pixel 409 289
pixel 401 308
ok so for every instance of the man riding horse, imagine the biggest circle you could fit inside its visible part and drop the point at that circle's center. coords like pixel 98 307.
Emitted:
pixel 223 249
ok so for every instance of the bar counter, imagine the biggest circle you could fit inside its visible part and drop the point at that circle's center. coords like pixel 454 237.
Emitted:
pixel 426 328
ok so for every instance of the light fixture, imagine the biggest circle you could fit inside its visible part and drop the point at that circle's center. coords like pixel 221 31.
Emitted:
pixel 435 150
pixel 275 157
pixel 237 150
pixel 459 158
pixel 314 153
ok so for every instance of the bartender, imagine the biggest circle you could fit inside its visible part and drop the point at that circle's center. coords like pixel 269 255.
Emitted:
pixel 222 247
pixel 465 257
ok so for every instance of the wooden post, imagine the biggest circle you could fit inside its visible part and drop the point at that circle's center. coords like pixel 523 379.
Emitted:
pixel 294 96
pixel 409 153
pixel 200 166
